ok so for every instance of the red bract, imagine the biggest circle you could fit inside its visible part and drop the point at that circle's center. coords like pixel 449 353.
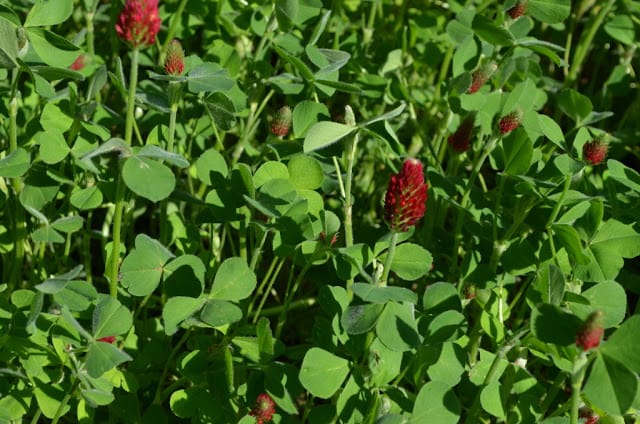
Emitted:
pixel 174 62
pixel 590 334
pixel 281 122
pixel 107 339
pixel 594 152
pixel 461 139
pixel 264 409
pixel 509 122
pixel 139 22
pixel 404 203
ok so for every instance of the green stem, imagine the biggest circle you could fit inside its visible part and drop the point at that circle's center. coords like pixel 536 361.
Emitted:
pixel 348 200
pixel 558 205
pixel 164 225
pixel 131 100
pixel 296 304
pixel 19 219
pixel 464 203
pixel 577 376
pixel 291 291
pixel 114 259
pixel 393 241
pixel 157 398
pixel 65 401
pixel 585 43
pixel 86 248
pixel 270 277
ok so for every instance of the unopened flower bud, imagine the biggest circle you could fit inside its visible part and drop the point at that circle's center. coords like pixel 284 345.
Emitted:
pixel 518 10
pixel 594 152
pixel 77 64
pixel 107 339
pixel 281 122
pixel 480 76
pixel 349 117
pixel 404 202
pixel 139 22
pixel 174 61
pixel 590 333
pixel 461 139
pixel 510 122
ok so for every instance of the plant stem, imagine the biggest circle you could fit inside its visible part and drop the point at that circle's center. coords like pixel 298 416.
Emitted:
pixel 114 259
pixel 291 291
pixel 577 376
pixel 64 402
pixel 463 206
pixel 175 19
pixel 271 278
pixel 19 219
pixel 157 398
pixel 393 241
pixel 585 43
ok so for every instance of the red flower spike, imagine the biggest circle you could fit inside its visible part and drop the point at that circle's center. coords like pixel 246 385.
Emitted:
pixel 174 61
pixel 590 333
pixel 264 409
pixel 461 139
pixel 510 122
pixel 404 202
pixel 77 64
pixel 281 122
pixel 107 339
pixel 139 22
pixel 480 76
pixel 594 152
pixel 518 10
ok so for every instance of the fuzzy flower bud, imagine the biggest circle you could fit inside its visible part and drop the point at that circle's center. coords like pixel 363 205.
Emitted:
pixel 139 22
pixel 404 203
pixel 590 333
pixel 107 339
pixel 480 76
pixel 518 10
pixel 594 152
pixel 461 139
pixel 510 122
pixel 174 61
pixel 264 409
pixel 281 122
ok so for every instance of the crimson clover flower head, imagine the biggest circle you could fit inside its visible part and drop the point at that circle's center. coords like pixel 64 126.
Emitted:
pixel 139 22
pixel 264 409
pixel 461 139
pixel 405 200
pixel 594 152
pixel 174 61
pixel 591 332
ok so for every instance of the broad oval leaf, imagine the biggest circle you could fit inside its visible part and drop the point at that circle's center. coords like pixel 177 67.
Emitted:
pixel 148 178
pixel 322 373
pixel 325 133
pixel 234 280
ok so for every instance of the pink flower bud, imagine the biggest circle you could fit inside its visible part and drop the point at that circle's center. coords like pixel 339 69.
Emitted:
pixel 139 22
pixel 480 76
pixel 594 152
pixel 174 62
pixel 77 64
pixel 264 409
pixel 518 10
pixel 591 332
pixel 405 200
pixel 510 122
pixel 461 139
pixel 281 122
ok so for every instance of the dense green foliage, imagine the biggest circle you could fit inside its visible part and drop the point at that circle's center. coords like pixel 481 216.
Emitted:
pixel 167 257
